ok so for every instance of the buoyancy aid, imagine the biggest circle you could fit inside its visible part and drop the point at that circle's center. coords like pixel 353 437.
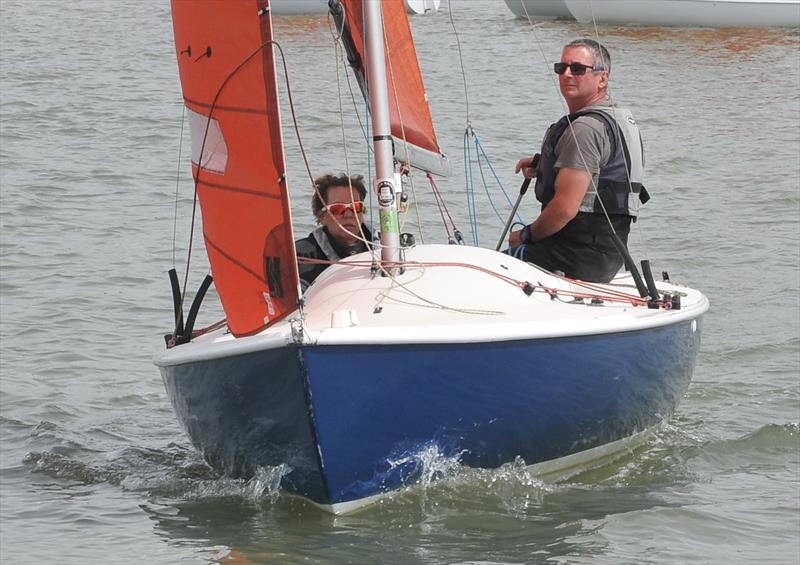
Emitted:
pixel 619 184
pixel 306 247
pixel 319 245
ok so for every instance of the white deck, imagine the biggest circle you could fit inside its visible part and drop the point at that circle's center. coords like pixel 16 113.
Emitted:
pixel 443 304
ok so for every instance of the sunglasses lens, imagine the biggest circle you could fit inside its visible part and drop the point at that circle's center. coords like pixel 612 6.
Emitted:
pixel 339 208
pixel 578 69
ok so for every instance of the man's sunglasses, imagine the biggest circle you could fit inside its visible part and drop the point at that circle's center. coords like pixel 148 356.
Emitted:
pixel 339 208
pixel 577 69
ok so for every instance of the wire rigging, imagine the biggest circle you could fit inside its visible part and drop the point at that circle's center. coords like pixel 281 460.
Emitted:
pixel 480 155
pixel 338 57
pixel 177 187
pixel 460 59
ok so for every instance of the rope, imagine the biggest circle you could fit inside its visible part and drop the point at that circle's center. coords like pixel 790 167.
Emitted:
pixel 177 186
pixel 294 114
pixel 595 291
pixel 486 186
pixel 517 252
pixel 480 152
pixel 427 303
pixel 365 127
pixel 479 146
pixel 470 187
pixel 456 236
pixel 338 56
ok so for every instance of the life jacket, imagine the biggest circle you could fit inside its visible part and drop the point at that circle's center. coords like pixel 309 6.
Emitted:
pixel 619 184
pixel 319 245
pixel 318 241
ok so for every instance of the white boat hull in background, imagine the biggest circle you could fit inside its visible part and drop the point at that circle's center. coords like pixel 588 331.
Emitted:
pixel 421 6
pixel 539 9
pixel 298 7
pixel 706 13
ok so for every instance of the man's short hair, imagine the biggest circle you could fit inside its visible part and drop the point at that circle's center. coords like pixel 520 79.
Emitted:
pixel 326 182
pixel 600 54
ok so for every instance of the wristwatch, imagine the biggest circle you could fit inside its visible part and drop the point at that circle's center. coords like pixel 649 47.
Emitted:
pixel 525 236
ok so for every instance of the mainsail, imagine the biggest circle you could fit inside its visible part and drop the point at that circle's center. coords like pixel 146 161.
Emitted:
pixel 227 71
pixel 408 103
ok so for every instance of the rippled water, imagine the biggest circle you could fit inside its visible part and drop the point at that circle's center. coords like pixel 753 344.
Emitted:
pixel 93 465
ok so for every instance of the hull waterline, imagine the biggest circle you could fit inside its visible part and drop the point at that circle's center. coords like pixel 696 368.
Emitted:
pixel 348 432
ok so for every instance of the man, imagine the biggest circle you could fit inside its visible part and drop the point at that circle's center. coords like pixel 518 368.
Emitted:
pixel 588 175
pixel 338 206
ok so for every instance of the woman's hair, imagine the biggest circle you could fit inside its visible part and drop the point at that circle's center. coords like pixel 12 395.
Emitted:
pixel 600 54
pixel 326 182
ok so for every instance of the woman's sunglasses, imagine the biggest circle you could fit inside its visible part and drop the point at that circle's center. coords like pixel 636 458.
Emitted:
pixel 339 208
pixel 577 69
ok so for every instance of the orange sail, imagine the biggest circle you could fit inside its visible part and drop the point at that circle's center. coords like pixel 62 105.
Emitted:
pixel 227 72
pixel 408 103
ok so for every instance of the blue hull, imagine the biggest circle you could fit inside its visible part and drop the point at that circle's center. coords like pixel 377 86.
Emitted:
pixel 341 416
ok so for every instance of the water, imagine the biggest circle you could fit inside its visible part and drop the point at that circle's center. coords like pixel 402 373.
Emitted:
pixel 94 467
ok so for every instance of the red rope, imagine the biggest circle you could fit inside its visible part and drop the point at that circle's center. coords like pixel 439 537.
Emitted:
pixel 442 207
pixel 592 290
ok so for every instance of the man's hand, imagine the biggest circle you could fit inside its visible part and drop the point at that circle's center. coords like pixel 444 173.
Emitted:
pixel 528 166
pixel 571 186
pixel 515 238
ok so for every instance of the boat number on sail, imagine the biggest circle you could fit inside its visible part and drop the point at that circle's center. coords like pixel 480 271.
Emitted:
pixel 270 306
pixel 385 193
pixel 272 268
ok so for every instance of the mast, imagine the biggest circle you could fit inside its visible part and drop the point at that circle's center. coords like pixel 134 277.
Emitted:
pixel 381 133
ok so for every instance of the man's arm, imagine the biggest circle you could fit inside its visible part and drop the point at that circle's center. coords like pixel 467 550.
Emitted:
pixel 580 152
pixel 571 187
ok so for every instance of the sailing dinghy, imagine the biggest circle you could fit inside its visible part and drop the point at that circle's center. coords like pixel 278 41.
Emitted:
pixel 460 349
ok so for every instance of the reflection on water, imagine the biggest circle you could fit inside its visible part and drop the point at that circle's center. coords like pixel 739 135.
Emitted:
pixel 744 42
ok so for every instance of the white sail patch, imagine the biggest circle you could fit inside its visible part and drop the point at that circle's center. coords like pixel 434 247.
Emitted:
pixel 215 151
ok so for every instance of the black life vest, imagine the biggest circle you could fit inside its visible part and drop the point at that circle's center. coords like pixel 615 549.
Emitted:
pixel 320 245
pixel 619 184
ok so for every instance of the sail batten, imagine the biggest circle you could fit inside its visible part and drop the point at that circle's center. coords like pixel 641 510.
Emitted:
pixel 222 108
pixel 249 191
pixel 227 71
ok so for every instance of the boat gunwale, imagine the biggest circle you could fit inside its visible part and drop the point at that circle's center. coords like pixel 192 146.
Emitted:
pixel 220 344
